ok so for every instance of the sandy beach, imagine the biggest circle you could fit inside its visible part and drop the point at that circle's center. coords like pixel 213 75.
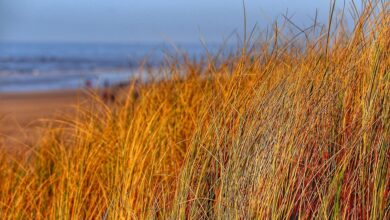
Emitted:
pixel 22 113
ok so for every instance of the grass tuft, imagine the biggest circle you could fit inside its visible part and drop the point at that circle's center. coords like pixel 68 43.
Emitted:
pixel 291 128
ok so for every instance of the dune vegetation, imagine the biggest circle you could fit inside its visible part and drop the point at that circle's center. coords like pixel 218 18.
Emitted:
pixel 295 124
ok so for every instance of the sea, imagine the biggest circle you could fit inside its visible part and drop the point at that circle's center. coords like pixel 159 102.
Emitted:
pixel 37 67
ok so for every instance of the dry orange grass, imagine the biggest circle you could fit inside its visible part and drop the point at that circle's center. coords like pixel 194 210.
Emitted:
pixel 284 129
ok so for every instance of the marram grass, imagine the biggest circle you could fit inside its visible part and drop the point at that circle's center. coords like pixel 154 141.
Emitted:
pixel 283 129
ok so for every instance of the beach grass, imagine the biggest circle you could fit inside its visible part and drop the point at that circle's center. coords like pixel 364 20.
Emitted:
pixel 290 126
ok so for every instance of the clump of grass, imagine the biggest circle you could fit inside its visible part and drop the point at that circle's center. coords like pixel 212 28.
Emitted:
pixel 283 129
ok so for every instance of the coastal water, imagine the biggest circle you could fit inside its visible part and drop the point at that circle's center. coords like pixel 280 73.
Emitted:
pixel 28 67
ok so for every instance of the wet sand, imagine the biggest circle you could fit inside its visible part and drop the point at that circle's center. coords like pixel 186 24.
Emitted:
pixel 22 114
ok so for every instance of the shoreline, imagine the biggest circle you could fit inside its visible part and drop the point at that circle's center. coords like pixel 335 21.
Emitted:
pixel 55 82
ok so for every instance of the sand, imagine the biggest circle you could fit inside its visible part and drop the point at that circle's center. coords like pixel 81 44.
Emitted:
pixel 21 115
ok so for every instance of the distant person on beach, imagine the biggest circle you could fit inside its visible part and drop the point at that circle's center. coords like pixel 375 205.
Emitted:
pixel 108 93
pixel 88 83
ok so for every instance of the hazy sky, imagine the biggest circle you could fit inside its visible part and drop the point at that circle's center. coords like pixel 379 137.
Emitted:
pixel 141 20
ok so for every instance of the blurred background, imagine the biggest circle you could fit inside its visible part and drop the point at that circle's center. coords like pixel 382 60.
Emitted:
pixel 68 44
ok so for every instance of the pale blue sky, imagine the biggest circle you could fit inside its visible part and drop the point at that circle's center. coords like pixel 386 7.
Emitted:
pixel 142 20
